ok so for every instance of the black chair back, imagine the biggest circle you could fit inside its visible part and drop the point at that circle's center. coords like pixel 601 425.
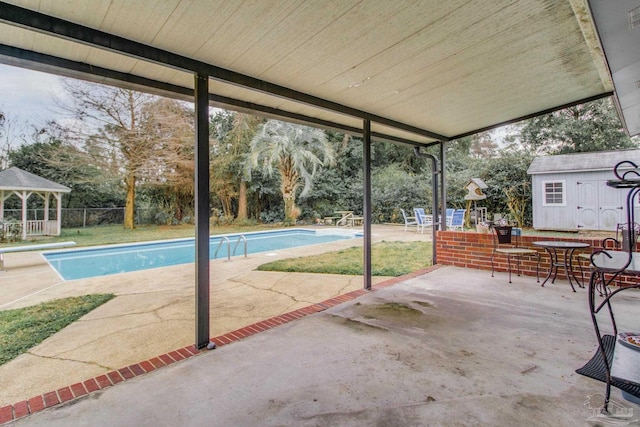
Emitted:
pixel 503 233
pixel 624 234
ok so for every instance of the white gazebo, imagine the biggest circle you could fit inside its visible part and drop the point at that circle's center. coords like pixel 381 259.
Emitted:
pixel 25 184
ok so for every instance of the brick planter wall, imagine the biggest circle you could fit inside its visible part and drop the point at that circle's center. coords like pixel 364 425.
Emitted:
pixel 473 250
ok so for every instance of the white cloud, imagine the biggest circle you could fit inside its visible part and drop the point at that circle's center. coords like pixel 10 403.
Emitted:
pixel 28 96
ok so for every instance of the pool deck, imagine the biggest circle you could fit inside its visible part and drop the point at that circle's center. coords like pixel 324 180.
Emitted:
pixel 445 346
pixel 153 312
pixel 448 347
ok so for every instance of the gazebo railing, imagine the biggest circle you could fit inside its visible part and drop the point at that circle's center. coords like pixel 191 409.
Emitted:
pixel 41 228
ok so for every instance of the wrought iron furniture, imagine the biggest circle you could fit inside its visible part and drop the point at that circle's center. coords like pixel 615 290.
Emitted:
pixel 626 237
pixel 614 362
pixel 620 242
pixel 504 243
pixel 566 262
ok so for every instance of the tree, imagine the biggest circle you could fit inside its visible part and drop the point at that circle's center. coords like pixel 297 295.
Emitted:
pixel 133 135
pixel 49 158
pixel 593 126
pixel 393 188
pixel 234 132
pixel 505 174
pixel 171 170
pixel 11 133
pixel 482 146
pixel 331 190
pixel 297 152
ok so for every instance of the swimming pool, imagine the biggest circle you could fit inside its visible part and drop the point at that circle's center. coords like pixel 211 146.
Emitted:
pixel 100 261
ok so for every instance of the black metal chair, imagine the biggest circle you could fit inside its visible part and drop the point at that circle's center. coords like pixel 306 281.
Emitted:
pixel 625 240
pixel 505 244
pixel 612 363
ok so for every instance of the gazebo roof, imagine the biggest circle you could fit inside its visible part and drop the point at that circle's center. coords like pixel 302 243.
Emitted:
pixel 15 179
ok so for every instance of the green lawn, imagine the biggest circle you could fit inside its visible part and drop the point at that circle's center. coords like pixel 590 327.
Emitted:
pixel 387 259
pixel 24 328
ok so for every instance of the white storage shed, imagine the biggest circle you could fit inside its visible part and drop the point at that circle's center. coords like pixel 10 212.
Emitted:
pixel 570 191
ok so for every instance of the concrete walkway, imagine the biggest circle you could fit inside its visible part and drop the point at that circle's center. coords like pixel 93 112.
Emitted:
pixel 451 347
pixel 153 312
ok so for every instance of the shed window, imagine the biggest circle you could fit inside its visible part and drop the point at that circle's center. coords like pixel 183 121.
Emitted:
pixel 554 193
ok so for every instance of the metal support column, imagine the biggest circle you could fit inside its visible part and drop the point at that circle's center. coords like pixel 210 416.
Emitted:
pixel 202 209
pixel 443 188
pixel 366 165
pixel 438 219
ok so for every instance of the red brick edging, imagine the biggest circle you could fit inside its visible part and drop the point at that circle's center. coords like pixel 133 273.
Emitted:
pixel 38 403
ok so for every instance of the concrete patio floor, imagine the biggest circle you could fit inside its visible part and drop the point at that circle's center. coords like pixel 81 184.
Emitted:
pixel 450 347
pixel 153 312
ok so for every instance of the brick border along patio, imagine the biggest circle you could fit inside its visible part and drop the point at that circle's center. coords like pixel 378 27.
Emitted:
pixel 75 391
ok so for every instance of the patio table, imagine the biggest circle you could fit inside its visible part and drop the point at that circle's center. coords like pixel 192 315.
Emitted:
pixel 553 247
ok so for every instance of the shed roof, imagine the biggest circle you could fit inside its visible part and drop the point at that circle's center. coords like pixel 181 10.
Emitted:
pixel 581 162
pixel 15 178
pixel 420 72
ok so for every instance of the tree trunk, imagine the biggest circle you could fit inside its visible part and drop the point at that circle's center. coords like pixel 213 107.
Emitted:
pixel 130 205
pixel 242 201
pixel 288 186
pixel 289 207
pixel 226 207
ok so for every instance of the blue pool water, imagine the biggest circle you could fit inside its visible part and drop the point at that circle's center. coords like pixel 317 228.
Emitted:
pixel 100 261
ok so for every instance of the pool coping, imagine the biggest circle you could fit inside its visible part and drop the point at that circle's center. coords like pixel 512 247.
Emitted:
pixel 85 388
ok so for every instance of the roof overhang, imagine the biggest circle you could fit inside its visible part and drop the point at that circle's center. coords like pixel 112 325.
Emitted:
pixel 618 25
pixel 420 72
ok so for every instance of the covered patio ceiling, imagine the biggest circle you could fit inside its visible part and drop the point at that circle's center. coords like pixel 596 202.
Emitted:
pixel 420 71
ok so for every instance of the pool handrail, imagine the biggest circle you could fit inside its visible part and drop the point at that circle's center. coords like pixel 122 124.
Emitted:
pixel 241 237
pixel 223 239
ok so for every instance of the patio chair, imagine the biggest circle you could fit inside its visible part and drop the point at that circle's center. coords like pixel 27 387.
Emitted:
pixel 623 236
pixel 449 217
pixel 457 220
pixel 408 220
pixel 620 243
pixel 422 219
pixel 505 244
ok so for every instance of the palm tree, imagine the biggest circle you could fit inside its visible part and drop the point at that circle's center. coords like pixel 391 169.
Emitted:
pixel 297 152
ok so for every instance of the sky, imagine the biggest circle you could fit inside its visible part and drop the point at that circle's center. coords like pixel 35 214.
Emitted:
pixel 27 95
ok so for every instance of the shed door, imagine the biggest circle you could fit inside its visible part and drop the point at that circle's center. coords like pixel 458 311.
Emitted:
pixel 599 207
pixel 588 205
pixel 612 202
